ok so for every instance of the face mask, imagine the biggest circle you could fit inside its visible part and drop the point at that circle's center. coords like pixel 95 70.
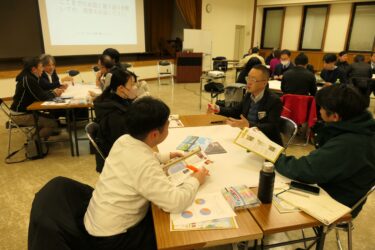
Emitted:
pixel 284 62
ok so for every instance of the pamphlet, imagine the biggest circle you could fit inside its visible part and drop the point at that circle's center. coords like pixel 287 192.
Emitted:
pixel 255 141
pixel 192 142
pixel 240 197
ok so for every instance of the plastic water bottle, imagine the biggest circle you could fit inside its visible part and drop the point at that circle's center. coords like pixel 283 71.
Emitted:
pixel 266 183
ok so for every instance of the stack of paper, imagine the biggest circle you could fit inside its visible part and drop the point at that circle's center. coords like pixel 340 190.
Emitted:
pixel 175 122
pixel 322 207
pixel 208 211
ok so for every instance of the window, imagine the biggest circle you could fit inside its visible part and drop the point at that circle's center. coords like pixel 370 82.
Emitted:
pixel 313 27
pixel 362 28
pixel 272 29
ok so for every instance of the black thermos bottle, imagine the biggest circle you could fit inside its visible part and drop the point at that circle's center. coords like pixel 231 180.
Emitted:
pixel 266 182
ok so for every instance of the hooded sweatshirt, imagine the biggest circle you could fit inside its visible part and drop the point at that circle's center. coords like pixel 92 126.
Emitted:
pixel 343 163
pixel 110 115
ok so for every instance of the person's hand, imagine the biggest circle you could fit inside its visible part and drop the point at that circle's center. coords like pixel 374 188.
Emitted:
pixel 212 108
pixel 326 84
pixel 64 85
pixel 58 92
pixel 238 123
pixel 276 77
pixel 175 154
pixel 201 175
pixel 92 93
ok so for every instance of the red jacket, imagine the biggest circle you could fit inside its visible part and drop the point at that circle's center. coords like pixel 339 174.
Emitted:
pixel 299 108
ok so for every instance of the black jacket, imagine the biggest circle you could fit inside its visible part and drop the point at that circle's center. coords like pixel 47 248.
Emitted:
pixel 46 84
pixel 28 91
pixel 343 163
pixel 110 115
pixel 280 70
pixel 298 81
pixel 333 75
pixel 360 70
pixel 343 67
pixel 270 123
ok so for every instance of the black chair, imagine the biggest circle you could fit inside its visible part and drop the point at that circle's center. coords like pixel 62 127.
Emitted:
pixel 91 131
pixel 56 218
pixel 288 129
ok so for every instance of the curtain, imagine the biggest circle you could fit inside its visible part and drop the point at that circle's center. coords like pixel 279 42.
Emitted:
pixel 191 12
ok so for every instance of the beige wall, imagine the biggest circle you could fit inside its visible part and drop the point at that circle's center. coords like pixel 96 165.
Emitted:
pixel 222 21
pixel 269 3
pixel 338 23
pixel 292 25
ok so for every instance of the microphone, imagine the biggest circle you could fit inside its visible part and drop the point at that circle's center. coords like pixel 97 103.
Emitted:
pixel 74 73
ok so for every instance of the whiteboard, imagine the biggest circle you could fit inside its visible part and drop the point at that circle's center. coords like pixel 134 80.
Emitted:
pixel 198 40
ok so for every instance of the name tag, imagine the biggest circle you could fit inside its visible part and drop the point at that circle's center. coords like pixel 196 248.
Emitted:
pixel 262 114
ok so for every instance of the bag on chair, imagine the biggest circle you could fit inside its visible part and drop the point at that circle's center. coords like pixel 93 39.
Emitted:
pixel 214 87
pixel 32 147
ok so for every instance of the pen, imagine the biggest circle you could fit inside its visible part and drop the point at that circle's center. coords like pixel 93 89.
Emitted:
pixel 192 168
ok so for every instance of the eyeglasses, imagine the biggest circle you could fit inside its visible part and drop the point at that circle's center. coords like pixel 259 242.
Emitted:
pixel 252 79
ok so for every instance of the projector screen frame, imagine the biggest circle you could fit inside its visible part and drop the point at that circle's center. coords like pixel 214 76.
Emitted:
pixel 73 50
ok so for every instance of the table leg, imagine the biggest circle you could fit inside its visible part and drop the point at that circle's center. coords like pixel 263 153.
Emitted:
pixel 200 93
pixel 38 139
pixel 322 231
pixel 75 131
pixel 69 127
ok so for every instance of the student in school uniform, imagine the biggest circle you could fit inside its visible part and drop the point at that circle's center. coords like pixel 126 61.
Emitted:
pixel 284 65
pixel 299 80
pixel 343 163
pixel 28 91
pixel 111 108
pixel 330 73
pixel 119 214
pixel 49 79
pixel 259 108
pixel 342 62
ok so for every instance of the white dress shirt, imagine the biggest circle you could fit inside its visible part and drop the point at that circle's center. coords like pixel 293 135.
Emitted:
pixel 132 177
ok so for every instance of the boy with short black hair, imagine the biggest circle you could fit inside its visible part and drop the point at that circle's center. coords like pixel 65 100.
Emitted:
pixel 344 162
pixel 330 73
pixel 118 216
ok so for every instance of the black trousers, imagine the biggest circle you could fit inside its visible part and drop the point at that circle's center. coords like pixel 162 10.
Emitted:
pixel 141 236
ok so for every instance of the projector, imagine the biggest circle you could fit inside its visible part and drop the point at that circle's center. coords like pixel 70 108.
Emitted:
pixel 215 73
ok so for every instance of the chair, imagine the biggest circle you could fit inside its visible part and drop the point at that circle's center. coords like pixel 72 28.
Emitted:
pixel 56 217
pixel 288 129
pixel 165 69
pixel 91 131
pixel 348 226
pixel 28 131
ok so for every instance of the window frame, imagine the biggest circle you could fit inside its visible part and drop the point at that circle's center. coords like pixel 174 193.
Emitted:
pixel 350 29
pixel 265 10
pixel 302 29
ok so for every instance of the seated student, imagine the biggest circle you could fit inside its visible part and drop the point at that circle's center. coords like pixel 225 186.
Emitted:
pixel 103 76
pixel 49 78
pixel 330 73
pixel 275 61
pixel 115 57
pixel 249 65
pixel 299 80
pixel 119 213
pixel 254 53
pixel 271 56
pixel 285 64
pixel 28 91
pixel 110 109
pixel 259 107
pixel 344 162
pixel 372 62
pixel 342 62
pixel 359 69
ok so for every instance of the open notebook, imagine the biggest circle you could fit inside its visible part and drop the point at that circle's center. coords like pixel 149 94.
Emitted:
pixel 322 207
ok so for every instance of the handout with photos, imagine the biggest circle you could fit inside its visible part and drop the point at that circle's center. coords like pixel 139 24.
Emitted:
pixel 255 141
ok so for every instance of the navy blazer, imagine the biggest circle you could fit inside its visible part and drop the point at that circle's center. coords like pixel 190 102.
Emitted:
pixel 279 70
pixel 270 104
pixel 46 84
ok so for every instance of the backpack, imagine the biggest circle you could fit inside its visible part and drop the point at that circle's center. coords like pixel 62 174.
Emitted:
pixel 214 87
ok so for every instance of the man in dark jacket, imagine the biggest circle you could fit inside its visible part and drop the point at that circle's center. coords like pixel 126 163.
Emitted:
pixel 342 62
pixel 28 91
pixel 359 69
pixel 284 65
pixel 259 108
pixel 299 80
pixel 49 79
pixel 344 162
pixel 331 73
pixel 110 109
